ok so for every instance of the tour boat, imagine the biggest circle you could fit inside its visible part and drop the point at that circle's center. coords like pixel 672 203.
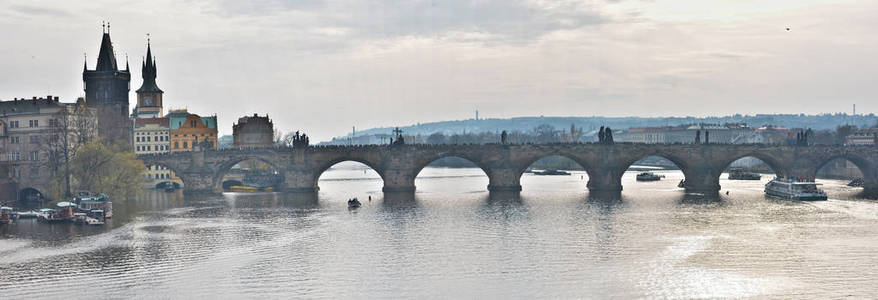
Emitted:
pixel 88 201
pixel 648 176
pixel 794 189
pixel 5 215
pixel 551 172
pixel 739 174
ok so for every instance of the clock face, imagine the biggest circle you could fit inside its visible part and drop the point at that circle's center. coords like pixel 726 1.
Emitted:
pixel 147 101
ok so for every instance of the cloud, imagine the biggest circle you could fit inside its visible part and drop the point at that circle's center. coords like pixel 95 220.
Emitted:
pixel 39 11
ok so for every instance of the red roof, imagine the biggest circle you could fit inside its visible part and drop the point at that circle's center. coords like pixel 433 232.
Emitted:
pixel 164 122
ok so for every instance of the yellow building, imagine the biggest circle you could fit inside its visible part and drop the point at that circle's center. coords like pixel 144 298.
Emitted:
pixel 152 136
pixel 190 132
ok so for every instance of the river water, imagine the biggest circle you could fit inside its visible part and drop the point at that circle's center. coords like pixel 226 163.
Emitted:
pixel 453 239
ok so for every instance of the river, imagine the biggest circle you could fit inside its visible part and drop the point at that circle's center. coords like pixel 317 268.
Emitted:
pixel 453 239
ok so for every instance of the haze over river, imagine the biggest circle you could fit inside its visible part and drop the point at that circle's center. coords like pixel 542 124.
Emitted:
pixel 453 239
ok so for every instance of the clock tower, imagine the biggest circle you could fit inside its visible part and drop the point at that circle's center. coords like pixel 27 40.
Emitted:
pixel 149 96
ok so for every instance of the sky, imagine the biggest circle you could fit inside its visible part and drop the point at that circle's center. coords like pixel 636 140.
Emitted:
pixel 325 66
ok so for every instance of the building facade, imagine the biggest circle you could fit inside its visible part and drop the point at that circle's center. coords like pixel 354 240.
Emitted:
pixel 862 137
pixel 730 133
pixel 34 135
pixel 106 89
pixel 192 132
pixel 153 136
pixel 253 132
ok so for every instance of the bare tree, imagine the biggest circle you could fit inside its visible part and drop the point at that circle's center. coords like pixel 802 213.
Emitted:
pixel 69 129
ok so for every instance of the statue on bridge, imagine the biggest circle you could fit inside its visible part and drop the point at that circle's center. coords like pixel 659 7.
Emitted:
pixel 601 135
pixel 300 140
pixel 503 137
pixel 698 136
pixel 707 137
pixel 608 136
pixel 399 139
pixel 802 137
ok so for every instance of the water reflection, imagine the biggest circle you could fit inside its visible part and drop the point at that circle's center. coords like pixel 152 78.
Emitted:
pixel 553 240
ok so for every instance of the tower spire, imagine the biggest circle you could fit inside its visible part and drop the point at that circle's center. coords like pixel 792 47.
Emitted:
pixel 148 70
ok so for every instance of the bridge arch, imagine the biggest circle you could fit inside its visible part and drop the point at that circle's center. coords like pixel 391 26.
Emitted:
pixel 866 167
pixel 224 167
pixel 424 162
pixel 775 164
pixel 173 172
pixel 323 167
pixel 692 176
pixel 529 162
pixel 31 195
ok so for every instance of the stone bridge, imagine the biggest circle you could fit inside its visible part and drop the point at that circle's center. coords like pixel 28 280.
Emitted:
pixel 398 166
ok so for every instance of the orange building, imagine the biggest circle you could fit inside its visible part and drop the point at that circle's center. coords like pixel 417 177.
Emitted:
pixel 191 131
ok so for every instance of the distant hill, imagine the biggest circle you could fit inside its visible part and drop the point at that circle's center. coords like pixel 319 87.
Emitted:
pixel 816 122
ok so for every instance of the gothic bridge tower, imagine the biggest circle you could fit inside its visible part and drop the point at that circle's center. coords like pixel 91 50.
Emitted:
pixel 106 89
pixel 149 96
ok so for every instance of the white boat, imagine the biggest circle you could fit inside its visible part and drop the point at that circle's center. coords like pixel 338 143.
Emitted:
pixel 794 189
pixel 95 217
pixel 27 214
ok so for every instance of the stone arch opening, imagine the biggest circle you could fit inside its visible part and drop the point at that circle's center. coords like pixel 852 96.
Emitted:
pixel 554 169
pixel 669 171
pixel 252 174
pixel 159 175
pixel 349 175
pixel 30 196
pixel 450 172
pixel 854 170
pixel 750 166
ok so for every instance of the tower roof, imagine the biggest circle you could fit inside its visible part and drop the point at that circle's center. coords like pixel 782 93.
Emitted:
pixel 106 56
pixel 149 73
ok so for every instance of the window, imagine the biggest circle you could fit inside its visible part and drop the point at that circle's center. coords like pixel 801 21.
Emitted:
pixel 34 155
pixel 176 145
pixel 148 148
pixel 147 139
pixel 15 140
pixel 13 124
pixel 16 156
pixel 33 123
pixel 192 123
pixel 52 122
pixel 185 145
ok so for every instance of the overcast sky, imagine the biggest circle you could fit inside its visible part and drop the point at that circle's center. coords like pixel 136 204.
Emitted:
pixel 324 66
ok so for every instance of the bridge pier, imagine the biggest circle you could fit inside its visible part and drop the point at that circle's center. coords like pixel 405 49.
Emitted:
pixel 504 180
pixel 199 182
pixel 701 180
pixel 398 181
pixel 604 180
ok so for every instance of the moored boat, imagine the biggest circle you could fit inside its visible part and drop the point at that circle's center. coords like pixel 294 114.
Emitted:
pixel 88 201
pixel 551 172
pixel 740 174
pixel 27 214
pixel 5 215
pixel 648 176
pixel 95 217
pixel 790 188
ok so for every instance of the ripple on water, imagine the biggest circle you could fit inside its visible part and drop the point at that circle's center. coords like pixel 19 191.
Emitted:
pixel 452 239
